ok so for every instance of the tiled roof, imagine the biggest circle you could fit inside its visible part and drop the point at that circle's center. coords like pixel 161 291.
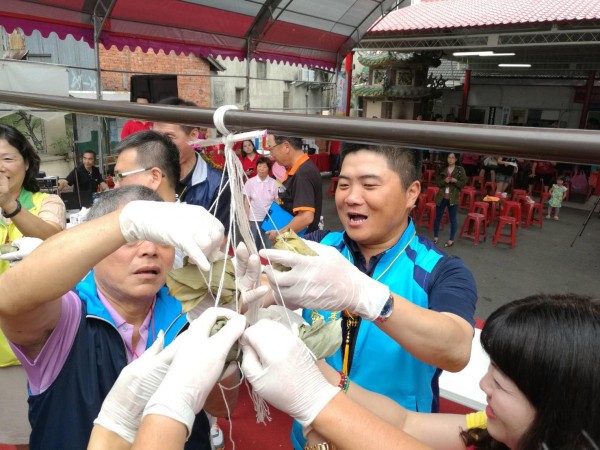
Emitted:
pixel 448 14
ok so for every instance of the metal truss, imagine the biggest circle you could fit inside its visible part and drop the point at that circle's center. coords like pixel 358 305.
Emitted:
pixel 489 41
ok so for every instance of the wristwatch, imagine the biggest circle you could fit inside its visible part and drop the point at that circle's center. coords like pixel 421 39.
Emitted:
pixel 320 446
pixel 14 213
pixel 387 310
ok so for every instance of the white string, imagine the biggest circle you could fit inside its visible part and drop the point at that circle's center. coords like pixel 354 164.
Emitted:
pixel 236 177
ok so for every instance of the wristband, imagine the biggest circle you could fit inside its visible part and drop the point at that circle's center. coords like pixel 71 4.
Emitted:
pixel 14 213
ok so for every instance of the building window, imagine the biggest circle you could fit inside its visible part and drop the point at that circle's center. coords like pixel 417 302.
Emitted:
pixel 286 94
pixel 261 70
pixel 240 95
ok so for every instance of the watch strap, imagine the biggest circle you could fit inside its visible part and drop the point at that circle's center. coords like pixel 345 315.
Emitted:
pixel 14 213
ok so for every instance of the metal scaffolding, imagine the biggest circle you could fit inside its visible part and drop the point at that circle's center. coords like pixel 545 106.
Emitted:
pixel 565 145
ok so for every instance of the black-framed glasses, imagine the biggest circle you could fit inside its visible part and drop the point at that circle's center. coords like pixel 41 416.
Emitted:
pixel 118 177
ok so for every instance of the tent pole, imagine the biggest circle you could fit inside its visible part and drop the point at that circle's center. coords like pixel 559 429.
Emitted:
pixel 550 144
pixel 102 127
pixel 248 57
pixel 98 25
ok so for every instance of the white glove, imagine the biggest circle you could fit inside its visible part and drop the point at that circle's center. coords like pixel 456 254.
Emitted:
pixel 282 370
pixel 188 227
pixel 247 268
pixel 197 366
pixel 25 246
pixel 123 406
pixel 327 281
pixel 247 274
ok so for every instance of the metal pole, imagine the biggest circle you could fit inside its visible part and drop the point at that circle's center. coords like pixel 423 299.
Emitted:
pixel 553 144
pixel 465 97
pixel 98 23
pixel 589 87
pixel 349 60
pixel 248 57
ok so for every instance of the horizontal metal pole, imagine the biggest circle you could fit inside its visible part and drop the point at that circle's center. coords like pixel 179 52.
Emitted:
pixel 566 145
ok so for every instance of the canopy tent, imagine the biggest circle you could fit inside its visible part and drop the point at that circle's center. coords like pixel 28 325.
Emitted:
pixel 308 32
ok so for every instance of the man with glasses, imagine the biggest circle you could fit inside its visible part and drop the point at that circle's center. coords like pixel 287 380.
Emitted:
pixel 301 191
pixel 200 181
pixel 149 159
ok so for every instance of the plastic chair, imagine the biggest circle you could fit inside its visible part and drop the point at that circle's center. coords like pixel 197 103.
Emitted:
pixel 511 237
pixel 427 216
pixel 332 186
pixel 428 175
pixel 481 208
pixel 474 227
pixel 467 197
pixel 513 209
pixel 431 193
pixel 492 188
pixel 475 181
pixel 544 200
pixel 516 193
pixel 529 212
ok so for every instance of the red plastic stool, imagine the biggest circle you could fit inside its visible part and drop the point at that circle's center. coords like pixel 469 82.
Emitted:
pixel 512 209
pixel 467 197
pixel 475 180
pixel 420 204
pixel 431 193
pixel 332 186
pixel 516 193
pixel 481 208
pixel 530 216
pixel 511 237
pixel 545 197
pixel 491 185
pixel 428 175
pixel 474 227
pixel 427 216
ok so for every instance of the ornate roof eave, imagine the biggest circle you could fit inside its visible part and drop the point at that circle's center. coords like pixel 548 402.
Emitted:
pixel 393 92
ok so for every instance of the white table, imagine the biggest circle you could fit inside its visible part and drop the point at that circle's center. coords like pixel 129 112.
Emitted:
pixel 463 387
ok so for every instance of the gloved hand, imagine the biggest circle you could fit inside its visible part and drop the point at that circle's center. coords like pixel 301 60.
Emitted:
pixel 247 273
pixel 122 408
pixel 282 370
pixel 188 227
pixel 327 281
pixel 197 366
pixel 25 246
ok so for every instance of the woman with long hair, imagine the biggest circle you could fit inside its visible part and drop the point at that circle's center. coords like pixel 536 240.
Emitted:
pixel 249 158
pixel 26 212
pixel 450 180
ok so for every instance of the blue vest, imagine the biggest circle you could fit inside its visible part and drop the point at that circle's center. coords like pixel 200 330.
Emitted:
pixel 62 416
pixel 204 193
pixel 379 363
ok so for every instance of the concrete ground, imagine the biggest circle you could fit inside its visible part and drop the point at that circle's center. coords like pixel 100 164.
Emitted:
pixel 542 262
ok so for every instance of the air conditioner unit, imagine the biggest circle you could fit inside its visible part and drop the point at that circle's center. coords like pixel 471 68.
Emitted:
pixel 306 75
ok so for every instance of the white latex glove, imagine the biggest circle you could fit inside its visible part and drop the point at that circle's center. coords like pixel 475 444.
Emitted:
pixel 197 366
pixel 247 268
pixel 122 408
pixel 327 281
pixel 282 370
pixel 188 227
pixel 25 246
pixel 247 273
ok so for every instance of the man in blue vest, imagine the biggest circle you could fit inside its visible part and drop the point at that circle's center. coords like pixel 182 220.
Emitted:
pixel 406 307
pixel 200 179
pixel 74 342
